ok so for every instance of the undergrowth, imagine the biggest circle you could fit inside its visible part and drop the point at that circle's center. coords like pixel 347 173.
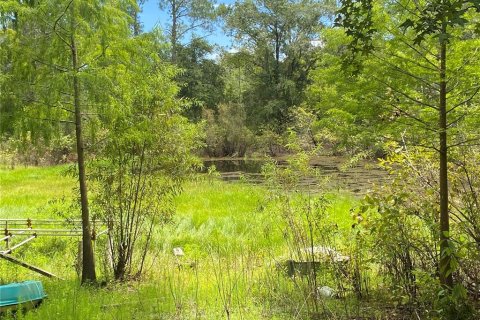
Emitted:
pixel 232 240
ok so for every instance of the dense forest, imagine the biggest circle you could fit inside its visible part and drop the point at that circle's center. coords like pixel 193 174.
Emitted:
pixel 113 127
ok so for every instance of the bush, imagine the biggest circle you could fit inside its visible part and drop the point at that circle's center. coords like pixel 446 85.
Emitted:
pixel 25 151
pixel 226 132
pixel 402 221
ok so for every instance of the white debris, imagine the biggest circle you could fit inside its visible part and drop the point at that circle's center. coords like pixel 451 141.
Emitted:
pixel 326 291
pixel 178 252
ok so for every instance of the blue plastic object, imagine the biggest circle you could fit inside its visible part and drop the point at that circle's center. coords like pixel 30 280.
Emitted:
pixel 26 292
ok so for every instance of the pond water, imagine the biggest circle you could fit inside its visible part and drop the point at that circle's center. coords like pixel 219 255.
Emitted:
pixel 357 178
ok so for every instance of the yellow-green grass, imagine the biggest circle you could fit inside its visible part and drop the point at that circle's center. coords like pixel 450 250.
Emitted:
pixel 209 211
pixel 226 229
pixel 25 191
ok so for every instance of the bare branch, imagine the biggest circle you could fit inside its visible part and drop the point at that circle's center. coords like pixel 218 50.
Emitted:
pixel 47 104
pixel 402 71
pixel 454 122
pixel 466 100
pixel 418 52
pixel 414 62
pixel 466 143
pixel 56 24
pixel 471 57
pixel 411 116
pixel 95 58
pixel 406 95
pixel 54 66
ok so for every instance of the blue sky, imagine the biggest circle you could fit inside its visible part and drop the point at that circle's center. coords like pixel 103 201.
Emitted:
pixel 152 16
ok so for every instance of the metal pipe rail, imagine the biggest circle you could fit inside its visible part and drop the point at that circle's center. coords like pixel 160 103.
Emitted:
pixel 43 227
pixel 43 222
pixel 10 235
pixel 51 232
pixel 19 244
pixel 27 265
pixel 14 231
pixel 47 220
pixel 40 220
pixel 50 224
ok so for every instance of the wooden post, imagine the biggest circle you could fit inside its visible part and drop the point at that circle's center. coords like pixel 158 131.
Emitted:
pixel 6 235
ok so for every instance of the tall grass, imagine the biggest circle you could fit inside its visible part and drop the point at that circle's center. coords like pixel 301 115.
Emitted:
pixel 228 231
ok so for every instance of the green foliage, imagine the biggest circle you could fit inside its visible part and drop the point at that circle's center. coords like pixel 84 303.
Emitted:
pixel 137 173
pixel 356 19
pixel 27 152
pixel 422 89
pixel 226 132
pixel 407 65
pixel 271 142
pixel 314 237
pixel 395 96
pixel 201 79
pixel 402 218
pixel 277 37
pixel 436 16
pixel 350 117
pixel 41 91
pixel 186 17
pixel 454 304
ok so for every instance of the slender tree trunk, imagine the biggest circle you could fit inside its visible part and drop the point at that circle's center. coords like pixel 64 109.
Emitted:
pixel 446 278
pixel 277 54
pixel 137 25
pixel 120 267
pixel 88 263
pixel 173 36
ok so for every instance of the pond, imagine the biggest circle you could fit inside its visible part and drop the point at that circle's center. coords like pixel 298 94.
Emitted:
pixel 357 178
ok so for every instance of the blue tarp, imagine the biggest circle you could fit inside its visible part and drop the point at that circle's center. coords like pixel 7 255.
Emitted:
pixel 18 293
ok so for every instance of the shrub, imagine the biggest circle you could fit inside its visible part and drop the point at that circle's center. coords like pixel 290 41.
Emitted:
pixel 226 132
pixel 402 220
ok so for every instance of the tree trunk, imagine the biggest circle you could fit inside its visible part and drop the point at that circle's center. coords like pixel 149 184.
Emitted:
pixel 277 54
pixel 173 36
pixel 121 265
pixel 446 278
pixel 136 24
pixel 88 263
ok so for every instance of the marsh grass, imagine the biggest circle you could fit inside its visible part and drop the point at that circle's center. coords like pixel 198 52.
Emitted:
pixel 229 233
pixel 25 191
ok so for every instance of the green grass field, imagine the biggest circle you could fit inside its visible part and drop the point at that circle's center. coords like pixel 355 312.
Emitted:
pixel 24 191
pixel 229 233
